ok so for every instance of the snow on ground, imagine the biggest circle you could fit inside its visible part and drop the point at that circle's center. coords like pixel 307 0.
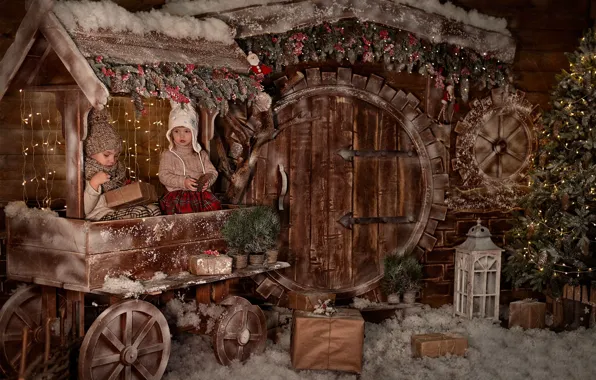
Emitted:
pixel 494 353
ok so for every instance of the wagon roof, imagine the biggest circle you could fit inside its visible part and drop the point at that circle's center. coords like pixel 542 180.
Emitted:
pixel 76 31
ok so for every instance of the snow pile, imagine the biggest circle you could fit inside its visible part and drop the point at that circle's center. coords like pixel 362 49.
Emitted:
pixel 127 287
pixel 361 303
pixel 91 16
pixel 122 284
pixel 19 209
pixel 186 314
pixel 448 10
pixel 494 353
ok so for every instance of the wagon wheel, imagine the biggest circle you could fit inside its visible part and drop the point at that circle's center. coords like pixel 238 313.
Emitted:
pixel 502 145
pixel 23 309
pixel 130 339
pixel 240 331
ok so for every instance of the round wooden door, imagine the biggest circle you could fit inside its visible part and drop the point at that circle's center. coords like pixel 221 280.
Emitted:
pixel 361 183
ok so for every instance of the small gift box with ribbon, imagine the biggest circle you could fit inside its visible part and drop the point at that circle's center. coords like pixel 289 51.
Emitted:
pixel 211 262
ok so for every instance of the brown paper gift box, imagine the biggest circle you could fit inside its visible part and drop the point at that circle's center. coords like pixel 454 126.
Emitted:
pixel 134 194
pixel 204 265
pixel 308 300
pixel 322 342
pixel 527 314
pixel 435 345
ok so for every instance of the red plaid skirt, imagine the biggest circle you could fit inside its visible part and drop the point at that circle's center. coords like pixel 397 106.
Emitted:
pixel 186 201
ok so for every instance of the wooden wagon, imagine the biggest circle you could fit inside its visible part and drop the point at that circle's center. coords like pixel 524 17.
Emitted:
pixel 66 260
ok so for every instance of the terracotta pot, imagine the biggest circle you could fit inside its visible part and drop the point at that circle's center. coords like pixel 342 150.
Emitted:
pixel 240 261
pixel 272 256
pixel 257 259
pixel 410 296
pixel 393 298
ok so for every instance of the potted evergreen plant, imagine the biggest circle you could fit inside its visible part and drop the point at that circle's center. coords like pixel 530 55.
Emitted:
pixel 263 228
pixel 236 235
pixel 402 276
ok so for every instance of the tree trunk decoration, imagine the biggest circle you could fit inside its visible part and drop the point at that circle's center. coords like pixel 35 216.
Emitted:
pixel 246 129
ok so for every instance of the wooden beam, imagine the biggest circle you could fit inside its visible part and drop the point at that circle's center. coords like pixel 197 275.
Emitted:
pixel 24 38
pixel 74 107
pixel 74 61
pixel 40 62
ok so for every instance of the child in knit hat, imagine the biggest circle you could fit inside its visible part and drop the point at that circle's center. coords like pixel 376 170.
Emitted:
pixel 185 169
pixel 103 171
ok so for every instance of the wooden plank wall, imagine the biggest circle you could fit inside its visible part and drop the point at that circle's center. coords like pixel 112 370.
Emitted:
pixel 40 137
pixel 544 31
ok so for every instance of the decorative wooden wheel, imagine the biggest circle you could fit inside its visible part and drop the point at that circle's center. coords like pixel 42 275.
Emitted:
pixel 496 139
pixel 502 145
pixel 129 340
pixel 23 309
pixel 240 331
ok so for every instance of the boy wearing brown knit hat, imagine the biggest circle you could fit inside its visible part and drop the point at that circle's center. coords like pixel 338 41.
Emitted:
pixel 103 171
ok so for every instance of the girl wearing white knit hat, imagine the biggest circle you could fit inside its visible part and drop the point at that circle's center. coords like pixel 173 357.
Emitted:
pixel 185 169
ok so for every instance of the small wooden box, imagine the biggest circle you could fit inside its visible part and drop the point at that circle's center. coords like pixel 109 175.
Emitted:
pixel 435 345
pixel 134 194
pixel 308 300
pixel 527 314
pixel 203 265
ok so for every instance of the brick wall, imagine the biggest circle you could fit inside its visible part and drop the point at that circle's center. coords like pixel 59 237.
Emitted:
pixel 439 264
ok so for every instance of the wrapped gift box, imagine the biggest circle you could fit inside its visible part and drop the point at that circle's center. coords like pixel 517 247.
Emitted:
pixel 435 345
pixel 528 314
pixel 134 194
pixel 327 342
pixel 307 301
pixel 209 264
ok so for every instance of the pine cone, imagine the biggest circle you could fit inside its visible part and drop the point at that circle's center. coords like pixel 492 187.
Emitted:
pixel 530 232
pixel 556 128
pixel 565 201
pixel 542 160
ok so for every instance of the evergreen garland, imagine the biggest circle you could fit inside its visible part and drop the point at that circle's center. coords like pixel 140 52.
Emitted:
pixel 205 87
pixel 352 41
pixel 554 239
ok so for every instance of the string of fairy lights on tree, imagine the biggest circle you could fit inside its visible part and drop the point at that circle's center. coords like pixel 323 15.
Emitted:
pixel 554 241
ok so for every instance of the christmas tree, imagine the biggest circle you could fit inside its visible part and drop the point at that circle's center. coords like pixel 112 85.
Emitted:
pixel 553 240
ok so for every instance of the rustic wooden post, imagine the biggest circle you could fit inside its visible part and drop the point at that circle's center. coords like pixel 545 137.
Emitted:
pixel 207 125
pixel 74 106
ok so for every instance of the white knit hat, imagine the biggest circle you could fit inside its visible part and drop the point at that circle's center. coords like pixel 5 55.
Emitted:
pixel 184 115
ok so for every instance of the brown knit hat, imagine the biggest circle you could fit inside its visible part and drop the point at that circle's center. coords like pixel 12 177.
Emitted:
pixel 100 134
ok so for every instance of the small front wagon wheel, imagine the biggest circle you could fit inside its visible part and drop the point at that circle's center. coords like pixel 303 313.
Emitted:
pixel 240 331
pixel 129 340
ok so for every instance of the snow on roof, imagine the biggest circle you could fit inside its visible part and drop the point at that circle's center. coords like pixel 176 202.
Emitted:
pixel 91 16
pixel 448 10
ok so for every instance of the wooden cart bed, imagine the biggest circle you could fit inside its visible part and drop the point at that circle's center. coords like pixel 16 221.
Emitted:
pixel 46 249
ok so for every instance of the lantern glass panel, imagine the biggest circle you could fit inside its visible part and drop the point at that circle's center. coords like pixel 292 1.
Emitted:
pixel 479 283
pixel 490 305
pixel 491 286
pixel 477 307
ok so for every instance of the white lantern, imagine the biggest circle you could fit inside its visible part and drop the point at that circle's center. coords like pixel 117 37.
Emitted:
pixel 477 275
